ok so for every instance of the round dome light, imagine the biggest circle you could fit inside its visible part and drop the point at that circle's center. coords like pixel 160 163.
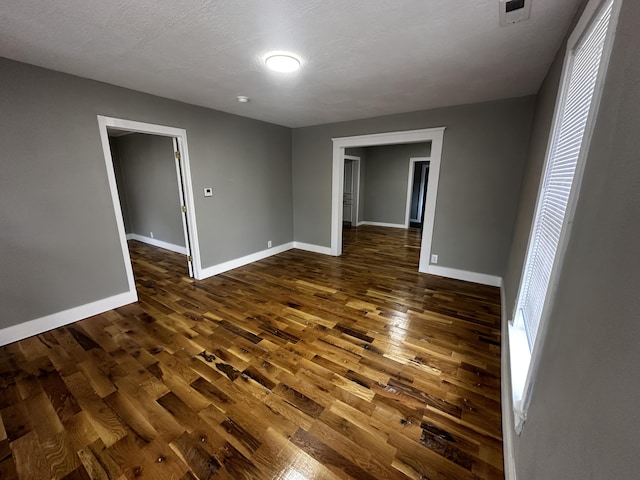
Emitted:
pixel 282 62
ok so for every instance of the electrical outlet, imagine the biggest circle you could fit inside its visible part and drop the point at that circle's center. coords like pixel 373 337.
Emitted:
pixel 434 258
pixel 208 191
pixel 151 234
pixel 269 244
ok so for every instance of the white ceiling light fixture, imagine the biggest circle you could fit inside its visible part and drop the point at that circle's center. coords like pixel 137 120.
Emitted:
pixel 285 62
pixel 243 99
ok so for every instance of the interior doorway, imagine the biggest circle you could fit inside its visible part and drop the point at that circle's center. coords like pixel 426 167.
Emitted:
pixel 177 140
pixel 417 191
pixel 433 135
pixel 150 185
pixel 351 191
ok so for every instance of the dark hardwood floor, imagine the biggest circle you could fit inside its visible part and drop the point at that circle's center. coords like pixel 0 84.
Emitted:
pixel 300 366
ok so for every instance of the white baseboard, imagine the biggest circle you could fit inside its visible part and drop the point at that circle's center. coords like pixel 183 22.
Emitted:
pixel 475 277
pixel 239 262
pixel 382 224
pixel 158 243
pixel 309 247
pixel 507 398
pixel 55 320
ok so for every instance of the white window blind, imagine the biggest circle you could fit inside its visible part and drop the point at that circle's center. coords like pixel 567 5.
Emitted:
pixel 560 169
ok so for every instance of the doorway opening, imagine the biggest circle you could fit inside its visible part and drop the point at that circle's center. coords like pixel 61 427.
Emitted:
pixel 417 191
pixel 351 191
pixel 177 231
pixel 433 135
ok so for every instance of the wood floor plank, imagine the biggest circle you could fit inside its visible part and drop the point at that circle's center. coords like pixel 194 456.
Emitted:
pixel 298 366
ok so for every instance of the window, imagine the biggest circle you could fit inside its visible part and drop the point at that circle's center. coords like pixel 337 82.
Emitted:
pixel 584 68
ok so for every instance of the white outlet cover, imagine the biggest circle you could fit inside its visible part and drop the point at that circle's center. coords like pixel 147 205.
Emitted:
pixel 434 258
pixel 208 191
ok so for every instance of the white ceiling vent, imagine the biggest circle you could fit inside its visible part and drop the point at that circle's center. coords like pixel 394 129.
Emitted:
pixel 514 11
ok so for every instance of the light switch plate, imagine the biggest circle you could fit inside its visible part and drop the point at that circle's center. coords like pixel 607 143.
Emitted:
pixel 208 191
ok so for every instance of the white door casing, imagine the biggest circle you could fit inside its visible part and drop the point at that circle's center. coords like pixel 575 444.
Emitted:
pixel 180 136
pixel 433 135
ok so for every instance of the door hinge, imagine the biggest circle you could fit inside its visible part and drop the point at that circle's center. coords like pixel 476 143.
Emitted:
pixel 190 258
pixel 178 155
pixel 184 209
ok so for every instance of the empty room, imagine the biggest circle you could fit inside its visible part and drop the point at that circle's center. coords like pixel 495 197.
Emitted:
pixel 319 240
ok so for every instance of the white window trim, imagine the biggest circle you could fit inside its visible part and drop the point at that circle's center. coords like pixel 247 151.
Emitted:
pixel 531 363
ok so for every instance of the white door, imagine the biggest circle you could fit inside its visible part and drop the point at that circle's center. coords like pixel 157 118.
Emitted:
pixel 347 198
pixel 183 204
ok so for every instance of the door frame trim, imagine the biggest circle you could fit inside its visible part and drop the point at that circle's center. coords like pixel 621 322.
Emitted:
pixel 356 183
pixel 412 167
pixel 180 135
pixel 433 135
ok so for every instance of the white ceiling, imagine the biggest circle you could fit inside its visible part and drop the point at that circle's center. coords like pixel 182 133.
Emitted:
pixel 361 58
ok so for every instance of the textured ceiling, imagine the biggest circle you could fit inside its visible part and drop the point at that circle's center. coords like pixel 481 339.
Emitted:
pixel 361 58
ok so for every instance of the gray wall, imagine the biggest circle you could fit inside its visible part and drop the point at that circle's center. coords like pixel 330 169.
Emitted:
pixel 483 158
pixel 58 236
pixel 583 421
pixel 387 175
pixel 149 183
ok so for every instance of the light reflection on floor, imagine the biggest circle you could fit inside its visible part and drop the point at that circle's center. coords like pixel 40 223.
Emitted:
pixel 293 474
